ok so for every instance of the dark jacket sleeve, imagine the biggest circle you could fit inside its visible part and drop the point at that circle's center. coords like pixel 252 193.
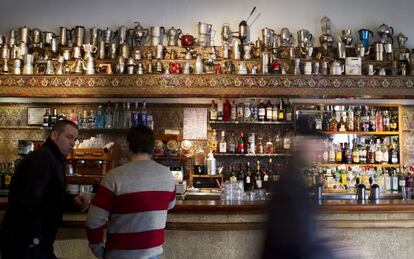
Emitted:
pixel 32 178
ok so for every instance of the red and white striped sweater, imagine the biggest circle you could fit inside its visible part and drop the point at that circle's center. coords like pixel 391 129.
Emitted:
pixel 134 200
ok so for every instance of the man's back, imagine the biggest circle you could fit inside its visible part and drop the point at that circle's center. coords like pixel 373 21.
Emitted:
pixel 135 197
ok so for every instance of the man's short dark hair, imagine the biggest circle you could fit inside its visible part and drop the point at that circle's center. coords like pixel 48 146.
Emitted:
pixel 60 125
pixel 141 139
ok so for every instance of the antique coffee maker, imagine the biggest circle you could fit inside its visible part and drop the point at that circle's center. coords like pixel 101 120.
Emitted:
pixel 326 38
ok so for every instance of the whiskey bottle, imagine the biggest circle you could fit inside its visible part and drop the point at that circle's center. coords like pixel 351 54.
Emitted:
pixel 213 111
pixel 378 152
pixel 326 119
pixel 365 119
pixel 372 120
pixel 355 153
pixel 363 153
pixel 393 154
pixel 53 118
pixel 269 111
pixel 289 111
pixel 350 119
pixel 371 153
pixel 332 153
pixel 348 154
pixel 333 123
pixel 213 143
pixel 394 121
pixel 338 153
pixel 318 119
pixel 357 120
pixel 386 121
pixel 223 143
pixel 342 124
pixel 385 153
pixel 262 111
pixel 379 121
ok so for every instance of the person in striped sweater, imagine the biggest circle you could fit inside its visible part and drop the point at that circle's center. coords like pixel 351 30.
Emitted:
pixel 133 200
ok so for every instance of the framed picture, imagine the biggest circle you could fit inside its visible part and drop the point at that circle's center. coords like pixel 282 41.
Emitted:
pixel 35 115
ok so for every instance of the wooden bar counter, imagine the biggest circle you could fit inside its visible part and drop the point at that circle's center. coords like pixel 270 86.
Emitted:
pixel 221 229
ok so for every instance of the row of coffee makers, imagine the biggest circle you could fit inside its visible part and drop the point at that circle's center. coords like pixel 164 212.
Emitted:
pixel 140 50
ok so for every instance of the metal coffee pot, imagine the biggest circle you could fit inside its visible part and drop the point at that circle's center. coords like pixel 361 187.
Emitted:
pixel 173 35
pixel 77 66
pixel 360 50
pixel 364 37
pixel 304 36
pixel 22 50
pixel 401 39
pixel 204 34
pixel 346 37
pixel 122 35
pixel 90 66
pixel 36 36
pixel 336 68
pixel 107 36
pixel 286 37
pixel 385 32
pixel 226 33
pixel 139 34
pixel 12 38
pixel 47 37
pixel 24 34
pixel 157 35
pixel 64 36
pixel 247 49
pixel 326 25
pixel 89 50
pixel 379 51
pixel 341 51
pixel 95 35
pixel 204 28
pixel 267 37
pixel 78 34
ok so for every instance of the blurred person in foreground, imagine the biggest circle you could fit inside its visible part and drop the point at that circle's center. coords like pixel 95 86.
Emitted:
pixel 37 197
pixel 291 229
pixel 133 199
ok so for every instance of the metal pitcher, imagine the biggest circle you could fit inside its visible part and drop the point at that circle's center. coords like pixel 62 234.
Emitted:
pixel 95 35
pixel 364 37
pixel 139 34
pixel 78 34
pixel 24 34
pixel 64 36
pixel 173 35
pixel 157 35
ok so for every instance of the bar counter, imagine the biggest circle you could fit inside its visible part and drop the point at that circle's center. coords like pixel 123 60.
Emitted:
pixel 207 228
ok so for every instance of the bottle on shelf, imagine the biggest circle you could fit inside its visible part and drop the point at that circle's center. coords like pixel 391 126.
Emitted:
pixel 262 111
pixel 333 122
pixel 373 120
pixel 260 147
pixel 247 113
pixel 213 111
pixel 281 112
pixel 393 153
pixel 100 117
pixel 379 121
pixel 394 121
pixel 53 118
pixel 227 110
pixel 288 111
pixel 251 143
pixel 355 153
pixel 223 143
pixel 362 152
pixel 241 147
pixel 258 176
pixel 386 121
pixel 213 141
pixel 365 119
pixel 326 118
pixel 269 147
pixel 46 119
pixel 220 110
pixel 342 126
pixel 92 120
pixel 136 116
pixel 357 119
pixel 240 111
pixel 144 114
pixel 350 119
pixel 269 111
pixel 108 116
pixel 254 110
pixel 274 111
pixel 232 146
pixel 248 185
pixel 233 111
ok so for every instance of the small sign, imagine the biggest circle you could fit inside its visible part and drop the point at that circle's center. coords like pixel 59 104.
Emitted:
pixel 35 115
pixel 195 123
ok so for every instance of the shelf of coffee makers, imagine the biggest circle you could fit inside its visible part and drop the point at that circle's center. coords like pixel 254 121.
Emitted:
pixel 252 155
pixel 253 122
pixel 384 133
pixel 83 179
pixel 361 165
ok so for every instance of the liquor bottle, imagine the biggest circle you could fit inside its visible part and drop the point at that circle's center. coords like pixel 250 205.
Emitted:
pixel 254 110
pixel 265 177
pixel 100 117
pixel 348 154
pixel 363 153
pixel 144 114
pixel 379 121
pixel 325 154
pixel 365 119
pixel 247 112
pixel 318 119
pixel 371 153
pixel 213 141
pixel 385 153
pixel 394 121
pixel 342 123
pixel 387 182
pixel 53 118
pixel 262 111
pixel 260 146
pixel 333 123
pixel 287 141
pixel 378 152
pixel 122 116
pixel 401 180
pixel 241 175
pixel 227 110
pixel 232 144
pixel 281 112
pixel 269 111
pixel 355 153
pixel 223 143
pixel 372 120
pixel 240 111
pixel 116 116
pixel 248 186
pixel 269 148
pixel 251 143
pixel 128 116
pixel 150 121
pixel 136 116
pixel 83 119
pixel 288 111
pixel 233 112
pixel 213 111
pixel 357 120
pixel 338 153
pixel 233 176
pixel 46 119
pixel 332 153
pixel 258 176
pixel 326 119
pixel 92 120
pixel 220 110
pixel 386 121
pixel 241 147
pixel 108 116
pixel 278 142
pixel 350 119
pixel 394 181
pixel 274 112
pixel 393 154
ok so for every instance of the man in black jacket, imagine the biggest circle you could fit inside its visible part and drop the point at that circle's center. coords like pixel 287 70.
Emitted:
pixel 37 196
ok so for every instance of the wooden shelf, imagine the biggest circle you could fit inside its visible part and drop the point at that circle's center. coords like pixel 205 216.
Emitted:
pixel 253 155
pixel 253 122
pixel 362 165
pixel 384 133
pixel 170 158
pixel 207 176
pixel 83 179
pixel 206 85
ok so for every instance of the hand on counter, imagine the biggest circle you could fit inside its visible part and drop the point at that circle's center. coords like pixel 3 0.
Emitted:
pixel 82 200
